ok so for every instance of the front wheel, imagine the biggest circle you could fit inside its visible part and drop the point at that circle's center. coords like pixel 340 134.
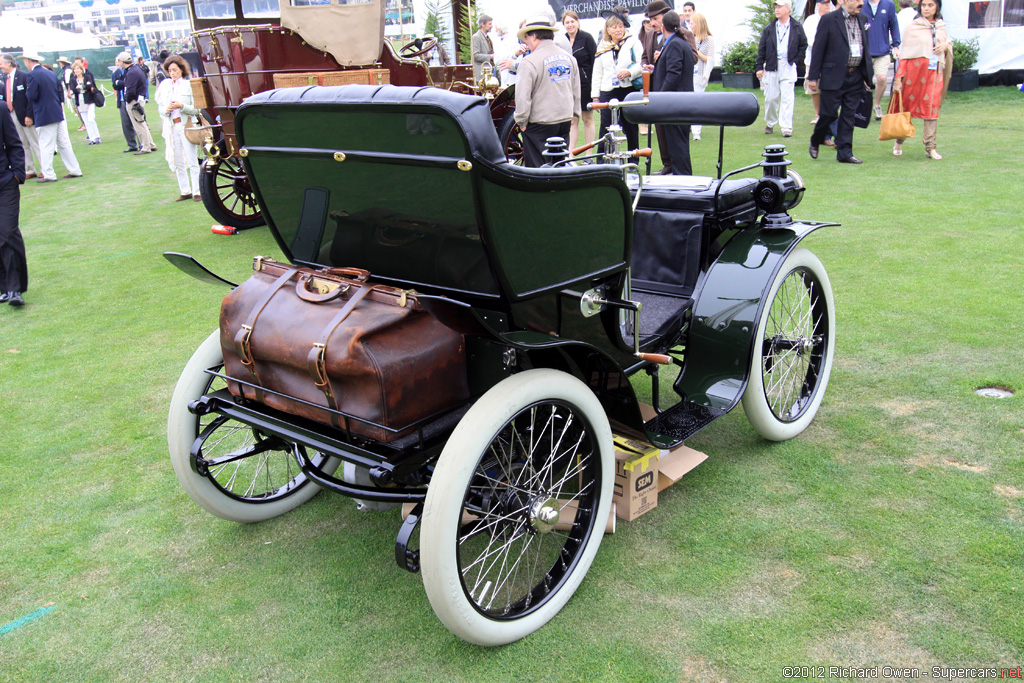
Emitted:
pixel 516 507
pixel 793 349
pixel 251 476
pixel 511 139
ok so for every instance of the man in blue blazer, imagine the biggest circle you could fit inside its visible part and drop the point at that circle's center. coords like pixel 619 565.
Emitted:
pixel 841 67
pixel 883 39
pixel 13 91
pixel 673 72
pixel 13 269
pixel 46 113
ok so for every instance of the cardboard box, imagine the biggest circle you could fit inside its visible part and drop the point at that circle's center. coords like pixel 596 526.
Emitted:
pixel 636 477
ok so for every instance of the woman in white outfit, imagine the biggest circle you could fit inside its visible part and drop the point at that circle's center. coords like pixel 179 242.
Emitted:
pixel 82 86
pixel 705 58
pixel 176 104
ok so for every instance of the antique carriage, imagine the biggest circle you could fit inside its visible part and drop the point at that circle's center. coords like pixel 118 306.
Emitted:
pixel 249 46
pixel 558 284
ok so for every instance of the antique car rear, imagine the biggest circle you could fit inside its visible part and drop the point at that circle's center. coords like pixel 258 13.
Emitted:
pixel 540 295
pixel 250 46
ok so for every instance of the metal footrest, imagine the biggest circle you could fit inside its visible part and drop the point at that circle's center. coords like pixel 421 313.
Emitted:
pixel 683 420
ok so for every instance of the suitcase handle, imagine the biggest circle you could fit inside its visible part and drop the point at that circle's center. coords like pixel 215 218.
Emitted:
pixel 303 291
pixel 354 273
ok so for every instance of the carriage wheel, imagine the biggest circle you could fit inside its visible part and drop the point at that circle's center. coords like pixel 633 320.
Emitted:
pixel 511 139
pixel 516 507
pixel 256 477
pixel 227 194
pixel 793 350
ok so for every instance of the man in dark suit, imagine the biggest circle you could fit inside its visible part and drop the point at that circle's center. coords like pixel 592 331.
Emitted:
pixel 13 268
pixel 841 62
pixel 46 113
pixel 673 72
pixel 653 40
pixel 127 129
pixel 13 88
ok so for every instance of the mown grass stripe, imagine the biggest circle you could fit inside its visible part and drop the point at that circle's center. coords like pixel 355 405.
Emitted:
pixel 25 619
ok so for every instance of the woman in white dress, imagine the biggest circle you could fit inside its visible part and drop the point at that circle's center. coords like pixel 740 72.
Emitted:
pixel 176 104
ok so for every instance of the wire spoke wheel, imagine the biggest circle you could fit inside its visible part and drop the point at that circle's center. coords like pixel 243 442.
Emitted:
pixel 228 195
pixel 516 507
pixel 236 472
pixel 540 466
pixel 793 349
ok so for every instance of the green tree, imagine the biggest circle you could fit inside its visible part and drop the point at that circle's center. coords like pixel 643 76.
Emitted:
pixel 763 14
pixel 434 24
pixel 467 27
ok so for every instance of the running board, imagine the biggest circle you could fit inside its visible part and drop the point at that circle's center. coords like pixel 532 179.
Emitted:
pixel 683 420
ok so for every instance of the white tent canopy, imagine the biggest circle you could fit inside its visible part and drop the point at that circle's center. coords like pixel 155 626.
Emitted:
pixel 16 32
pixel 1002 43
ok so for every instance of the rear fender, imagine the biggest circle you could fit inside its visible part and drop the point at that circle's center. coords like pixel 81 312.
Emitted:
pixel 727 308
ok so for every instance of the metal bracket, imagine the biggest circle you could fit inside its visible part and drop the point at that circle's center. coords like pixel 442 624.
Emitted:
pixel 408 560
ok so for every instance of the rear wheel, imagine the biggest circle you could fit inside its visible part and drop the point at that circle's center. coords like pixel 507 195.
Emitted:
pixel 793 349
pixel 248 476
pixel 227 194
pixel 516 507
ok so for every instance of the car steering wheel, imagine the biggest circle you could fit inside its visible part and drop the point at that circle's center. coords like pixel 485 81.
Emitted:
pixel 418 48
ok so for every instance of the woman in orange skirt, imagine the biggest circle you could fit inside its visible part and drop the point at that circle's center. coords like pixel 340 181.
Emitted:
pixel 926 61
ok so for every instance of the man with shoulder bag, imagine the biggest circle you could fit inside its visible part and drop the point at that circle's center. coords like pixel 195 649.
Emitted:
pixel 135 100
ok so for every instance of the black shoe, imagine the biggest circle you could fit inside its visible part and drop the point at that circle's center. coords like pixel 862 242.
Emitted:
pixel 850 160
pixel 4 297
pixel 14 299
pixel 130 150
pixel 665 171
pixel 813 151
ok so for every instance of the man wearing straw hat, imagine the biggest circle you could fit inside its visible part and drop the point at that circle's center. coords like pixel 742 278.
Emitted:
pixel 546 90
pixel 46 113
pixel 13 89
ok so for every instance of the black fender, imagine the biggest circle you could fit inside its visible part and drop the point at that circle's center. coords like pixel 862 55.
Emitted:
pixel 190 266
pixel 728 305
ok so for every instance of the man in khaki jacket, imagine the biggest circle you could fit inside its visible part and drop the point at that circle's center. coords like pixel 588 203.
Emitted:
pixel 546 92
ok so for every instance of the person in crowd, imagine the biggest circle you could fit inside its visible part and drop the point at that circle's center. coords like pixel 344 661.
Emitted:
pixel 14 91
pixel 46 113
pixel 907 13
pixel 673 72
pixel 884 40
pixel 13 265
pixel 617 68
pixel 141 63
pixel 686 16
pixel 814 10
pixel 83 95
pixel 705 58
pixel 546 91
pixel 135 100
pixel 583 47
pixel 926 62
pixel 482 47
pixel 63 70
pixel 127 129
pixel 840 67
pixel 782 45
pixel 505 48
pixel 176 105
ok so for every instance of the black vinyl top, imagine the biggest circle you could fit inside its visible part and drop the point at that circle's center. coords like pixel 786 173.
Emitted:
pixel 696 108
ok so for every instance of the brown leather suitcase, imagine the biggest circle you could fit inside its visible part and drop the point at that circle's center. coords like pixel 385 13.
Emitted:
pixel 331 338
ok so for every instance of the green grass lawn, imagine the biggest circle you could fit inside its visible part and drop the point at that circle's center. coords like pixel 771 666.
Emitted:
pixel 890 533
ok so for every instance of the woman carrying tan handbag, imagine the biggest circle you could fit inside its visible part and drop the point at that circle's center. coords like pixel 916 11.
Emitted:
pixel 926 61
pixel 176 103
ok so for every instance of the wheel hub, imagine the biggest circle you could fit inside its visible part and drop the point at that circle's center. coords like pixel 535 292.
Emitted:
pixel 544 514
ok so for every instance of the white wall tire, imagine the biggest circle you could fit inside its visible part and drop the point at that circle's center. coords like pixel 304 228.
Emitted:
pixel 485 578
pixel 252 489
pixel 793 349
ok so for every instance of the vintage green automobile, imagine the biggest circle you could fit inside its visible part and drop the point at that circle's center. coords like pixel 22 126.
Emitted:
pixel 565 281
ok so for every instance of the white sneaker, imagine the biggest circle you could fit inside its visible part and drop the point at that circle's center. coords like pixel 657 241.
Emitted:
pixel 696 136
